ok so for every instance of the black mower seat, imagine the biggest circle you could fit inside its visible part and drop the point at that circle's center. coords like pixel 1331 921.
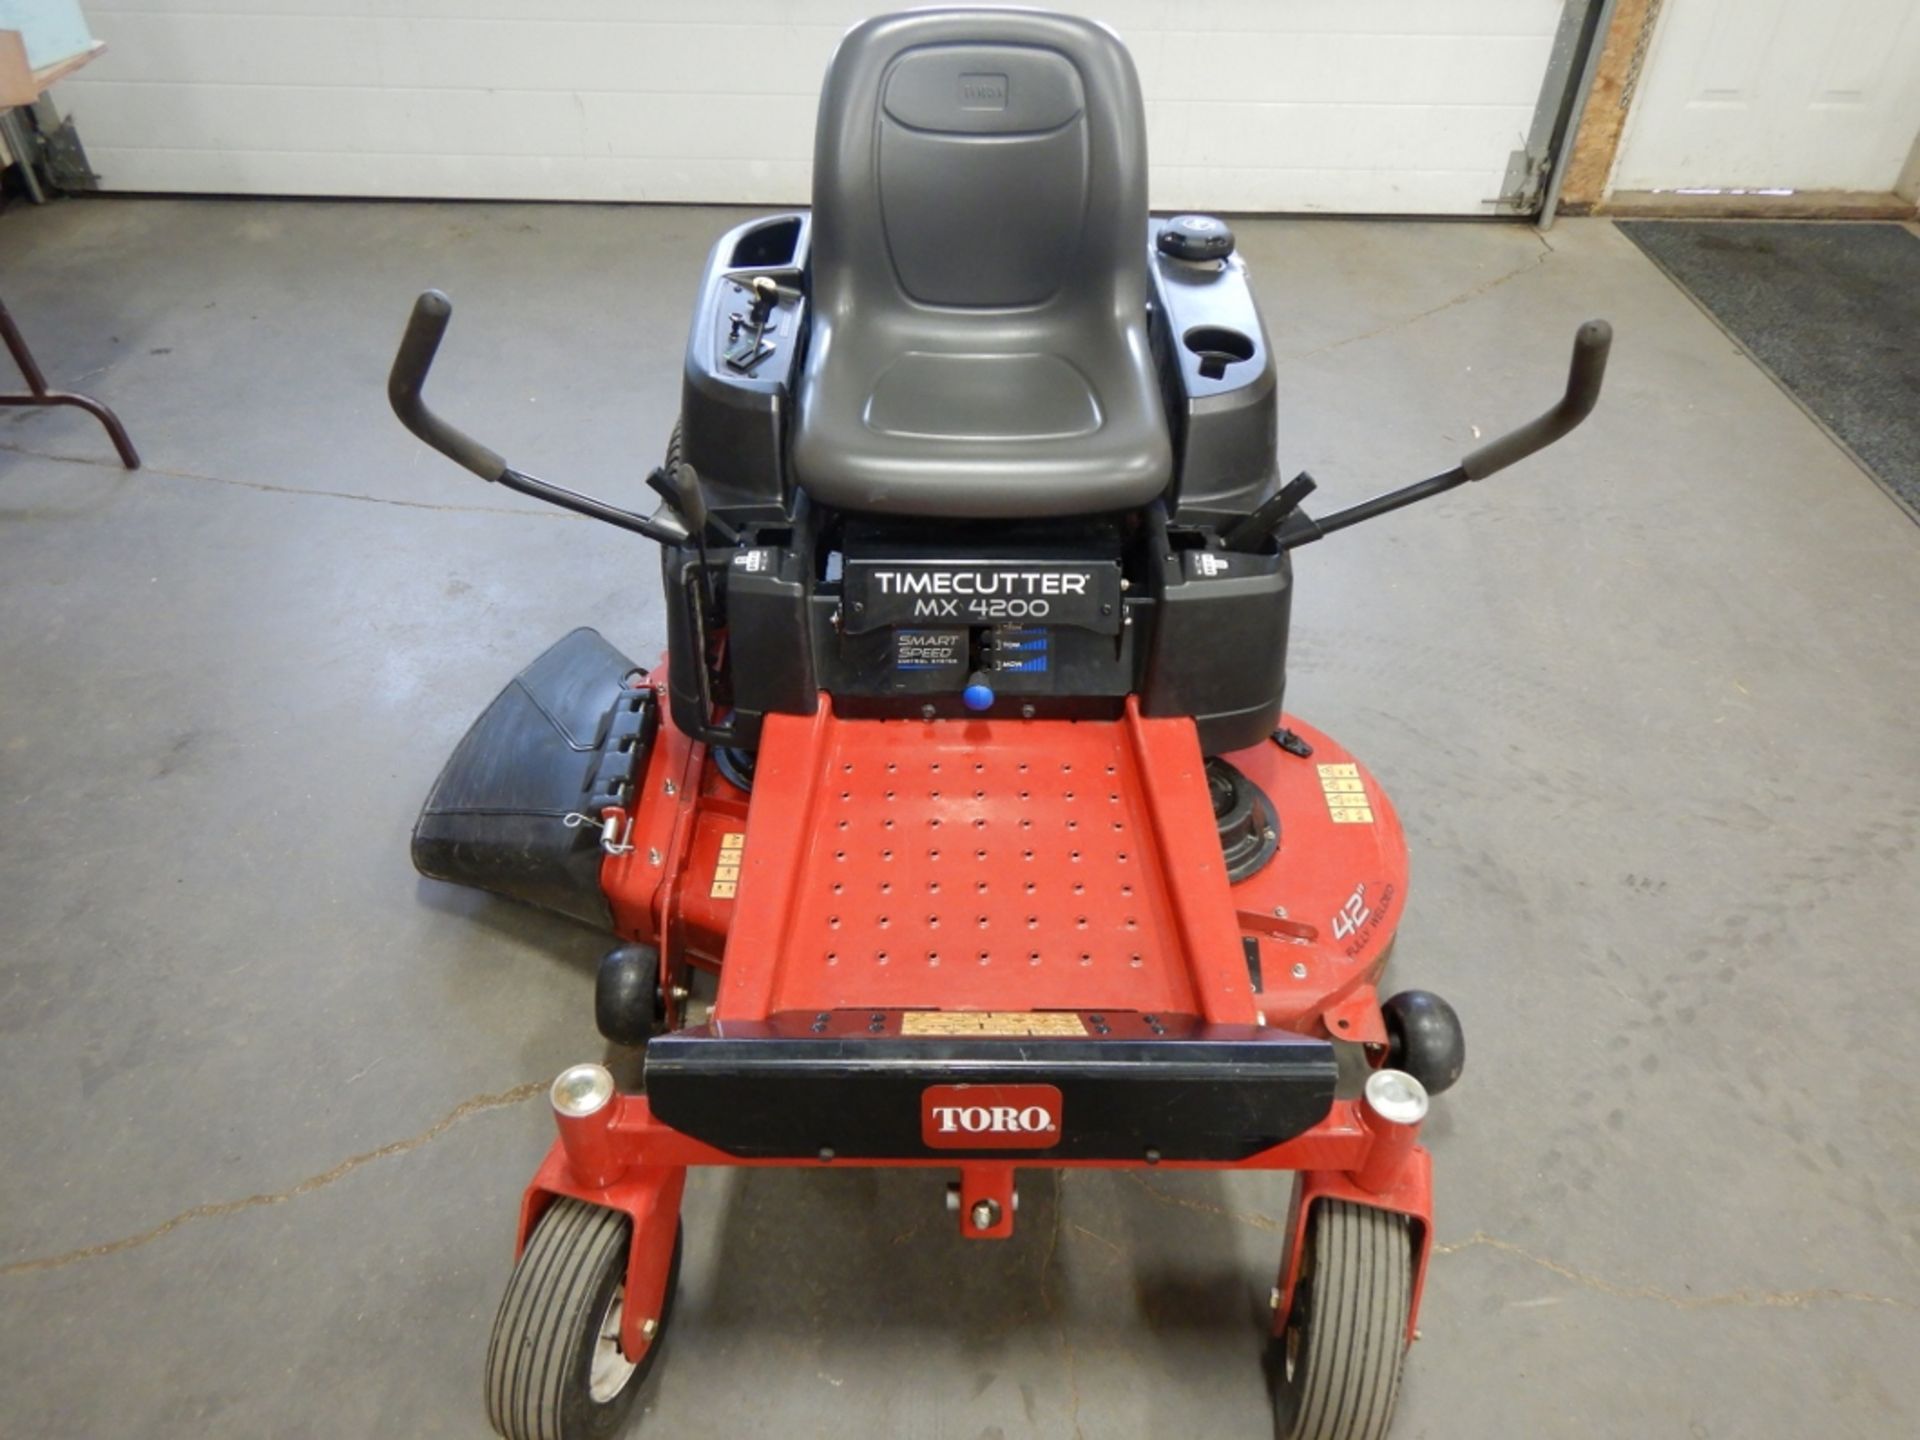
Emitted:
pixel 979 274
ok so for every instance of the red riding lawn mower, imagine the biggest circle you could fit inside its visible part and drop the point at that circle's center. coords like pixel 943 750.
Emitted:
pixel 966 772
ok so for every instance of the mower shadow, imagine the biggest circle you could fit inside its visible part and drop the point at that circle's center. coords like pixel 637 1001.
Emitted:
pixel 1095 1255
pixel 521 926
pixel 1110 1301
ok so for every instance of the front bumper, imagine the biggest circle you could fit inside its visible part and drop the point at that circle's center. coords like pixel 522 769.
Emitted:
pixel 850 1084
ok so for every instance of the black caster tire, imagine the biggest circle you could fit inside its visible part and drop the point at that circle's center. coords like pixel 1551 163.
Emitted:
pixel 1338 1361
pixel 554 1367
pixel 626 994
pixel 1425 1039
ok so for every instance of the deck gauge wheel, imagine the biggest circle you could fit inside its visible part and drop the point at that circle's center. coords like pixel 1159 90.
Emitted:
pixel 628 1007
pixel 1337 1362
pixel 1424 1039
pixel 555 1370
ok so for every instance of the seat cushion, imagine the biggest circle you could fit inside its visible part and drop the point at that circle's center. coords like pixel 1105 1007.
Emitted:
pixel 977 285
pixel 1029 396
pixel 981 434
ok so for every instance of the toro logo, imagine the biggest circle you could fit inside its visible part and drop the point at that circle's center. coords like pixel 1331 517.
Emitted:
pixel 990 1117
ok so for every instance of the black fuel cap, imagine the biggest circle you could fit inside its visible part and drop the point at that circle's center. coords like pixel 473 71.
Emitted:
pixel 1196 237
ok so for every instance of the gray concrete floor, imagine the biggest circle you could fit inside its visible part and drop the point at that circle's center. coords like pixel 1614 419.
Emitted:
pixel 267 1100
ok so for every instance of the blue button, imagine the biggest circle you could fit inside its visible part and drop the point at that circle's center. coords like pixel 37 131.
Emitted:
pixel 977 696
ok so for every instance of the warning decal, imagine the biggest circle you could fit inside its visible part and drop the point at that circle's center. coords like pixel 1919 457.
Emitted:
pixel 726 870
pixel 992 1022
pixel 1346 794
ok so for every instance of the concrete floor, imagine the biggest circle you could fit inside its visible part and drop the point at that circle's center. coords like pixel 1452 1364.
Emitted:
pixel 267 1100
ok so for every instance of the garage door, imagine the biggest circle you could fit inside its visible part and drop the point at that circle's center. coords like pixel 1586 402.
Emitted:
pixel 1389 106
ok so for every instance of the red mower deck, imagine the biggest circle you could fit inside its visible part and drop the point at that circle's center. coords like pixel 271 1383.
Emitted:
pixel 898 884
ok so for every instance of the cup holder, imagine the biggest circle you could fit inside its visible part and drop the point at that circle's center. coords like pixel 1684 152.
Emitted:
pixel 767 247
pixel 1218 347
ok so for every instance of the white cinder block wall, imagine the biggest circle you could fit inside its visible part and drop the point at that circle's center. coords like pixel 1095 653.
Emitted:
pixel 1390 106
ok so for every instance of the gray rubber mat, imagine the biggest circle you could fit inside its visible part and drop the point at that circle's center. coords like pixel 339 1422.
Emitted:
pixel 1833 310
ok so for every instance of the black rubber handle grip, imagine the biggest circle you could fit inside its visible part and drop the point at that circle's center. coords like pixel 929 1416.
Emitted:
pixel 1590 345
pixel 411 362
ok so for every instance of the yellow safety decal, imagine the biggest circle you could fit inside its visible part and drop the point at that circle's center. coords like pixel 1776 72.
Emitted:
pixel 726 871
pixel 1346 794
pixel 992 1022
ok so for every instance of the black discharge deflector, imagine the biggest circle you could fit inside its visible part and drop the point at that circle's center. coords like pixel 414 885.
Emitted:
pixel 565 738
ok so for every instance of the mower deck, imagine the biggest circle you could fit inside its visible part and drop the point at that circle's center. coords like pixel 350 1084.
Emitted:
pixel 1000 877
pixel 986 905
pixel 920 924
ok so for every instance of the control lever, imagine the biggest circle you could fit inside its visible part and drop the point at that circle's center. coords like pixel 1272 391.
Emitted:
pixel 766 295
pixel 1251 533
pixel 744 351
pixel 693 497
pixel 692 505
pixel 426 327
pixel 1591 342
pixel 680 487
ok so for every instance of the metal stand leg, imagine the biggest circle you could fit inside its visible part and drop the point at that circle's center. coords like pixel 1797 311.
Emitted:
pixel 37 392
pixel 20 146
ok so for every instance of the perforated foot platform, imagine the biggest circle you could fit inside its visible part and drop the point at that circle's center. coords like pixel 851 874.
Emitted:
pixel 994 903
pixel 992 865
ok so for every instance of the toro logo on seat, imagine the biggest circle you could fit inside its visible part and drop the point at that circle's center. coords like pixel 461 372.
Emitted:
pixel 990 1117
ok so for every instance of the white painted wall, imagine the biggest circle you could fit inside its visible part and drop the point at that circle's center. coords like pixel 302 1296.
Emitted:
pixel 1802 94
pixel 1406 106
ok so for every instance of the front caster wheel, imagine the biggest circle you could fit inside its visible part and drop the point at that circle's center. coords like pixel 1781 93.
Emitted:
pixel 1337 1370
pixel 555 1370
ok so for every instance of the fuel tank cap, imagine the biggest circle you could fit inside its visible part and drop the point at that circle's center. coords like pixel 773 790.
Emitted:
pixel 1195 237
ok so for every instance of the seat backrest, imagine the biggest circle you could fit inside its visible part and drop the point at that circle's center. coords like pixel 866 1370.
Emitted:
pixel 973 160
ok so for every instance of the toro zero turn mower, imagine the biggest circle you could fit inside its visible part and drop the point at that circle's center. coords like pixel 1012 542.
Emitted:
pixel 965 772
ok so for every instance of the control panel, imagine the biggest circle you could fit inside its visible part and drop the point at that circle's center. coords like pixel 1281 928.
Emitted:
pixel 981 630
